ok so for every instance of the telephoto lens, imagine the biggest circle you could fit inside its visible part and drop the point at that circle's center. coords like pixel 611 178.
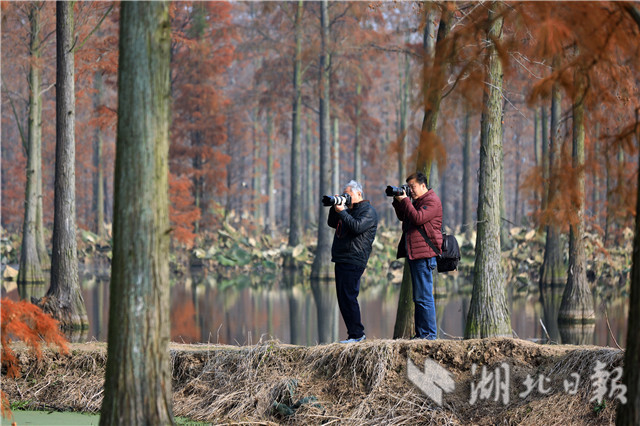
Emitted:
pixel 340 200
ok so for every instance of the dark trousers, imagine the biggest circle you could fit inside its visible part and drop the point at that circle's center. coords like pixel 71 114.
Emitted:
pixel 348 288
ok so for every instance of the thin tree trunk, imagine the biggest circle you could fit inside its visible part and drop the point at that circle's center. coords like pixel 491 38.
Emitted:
pixel 553 271
pixel 64 298
pixel 517 185
pixel 270 227
pixel 321 268
pixel 544 139
pixel 596 178
pixel 98 176
pixel 43 254
pixel 295 210
pixel 30 272
pixel 310 175
pixel 198 181
pixel 467 217
pixel 137 389
pixel 577 300
pixel 488 313
pixel 404 112
pixel 257 171
pixel 357 150
pixel 432 96
pixel 335 138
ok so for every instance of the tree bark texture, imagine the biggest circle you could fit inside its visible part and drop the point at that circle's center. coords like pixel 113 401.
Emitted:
pixel 629 413
pixel 138 379
pixel 432 96
pixel 544 140
pixel 336 186
pixel 98 176
pixel 467 217
pixel 577 300
pixel 403 114
pixel 64 298
pixel 41 245
pixel 310 178
pixel 30 270
pixel 270 227
pixel 257 170
pixel 295 212
pixel 321 268
pixel 553 271
pixel 488 313
pixel 357 150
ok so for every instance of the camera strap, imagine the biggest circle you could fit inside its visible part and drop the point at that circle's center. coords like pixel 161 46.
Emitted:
pixel 428 240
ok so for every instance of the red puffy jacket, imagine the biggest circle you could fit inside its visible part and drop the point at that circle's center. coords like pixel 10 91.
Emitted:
pixel 425 211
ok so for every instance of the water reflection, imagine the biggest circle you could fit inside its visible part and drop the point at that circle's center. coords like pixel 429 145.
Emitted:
pixel 242 309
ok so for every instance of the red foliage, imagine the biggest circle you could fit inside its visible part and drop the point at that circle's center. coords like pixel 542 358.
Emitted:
pixel 182 211
pixel 25 321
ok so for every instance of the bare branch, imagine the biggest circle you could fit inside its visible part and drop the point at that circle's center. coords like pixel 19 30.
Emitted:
pixel 15 114
pixel 94 29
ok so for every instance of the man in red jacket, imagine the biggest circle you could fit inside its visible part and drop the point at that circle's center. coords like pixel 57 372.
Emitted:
pixel 424 212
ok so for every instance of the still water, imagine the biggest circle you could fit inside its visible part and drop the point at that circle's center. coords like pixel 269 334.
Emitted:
pixel 246 308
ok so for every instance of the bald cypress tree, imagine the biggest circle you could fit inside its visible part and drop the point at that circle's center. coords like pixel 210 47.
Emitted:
pixel 488 313
pixel 138 380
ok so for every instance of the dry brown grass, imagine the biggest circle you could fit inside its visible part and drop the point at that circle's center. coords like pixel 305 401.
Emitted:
pixel 363 383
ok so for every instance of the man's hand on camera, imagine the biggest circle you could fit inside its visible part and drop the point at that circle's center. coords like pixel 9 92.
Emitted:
pixel 339 207
pixel 401 197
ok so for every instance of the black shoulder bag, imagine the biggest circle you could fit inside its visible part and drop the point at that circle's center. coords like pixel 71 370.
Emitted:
pixel 448 257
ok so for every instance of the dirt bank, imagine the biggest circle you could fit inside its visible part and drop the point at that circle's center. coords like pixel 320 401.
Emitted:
pixel 513 382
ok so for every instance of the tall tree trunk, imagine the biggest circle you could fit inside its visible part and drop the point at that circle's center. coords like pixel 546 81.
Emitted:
pixel 137 389
pixel 629 413
pixel 544 140
pixel 357 150
pixel 432 96
pixel 467 201
pixel 488 313
pixel 257 170
pixel 64 298
pixel 577 300
pixel 98 175
pixel 553 271
pixel 295 210
pixel 30 272
pixel 43 254
pixel 270 227
pixel 321 268
pixel 310 176
pixel 596 178
pixel 467 215
pixel 335 139
pixel 516 194
pixel 405 92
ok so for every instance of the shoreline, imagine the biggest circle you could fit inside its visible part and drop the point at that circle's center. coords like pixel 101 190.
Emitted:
pixel 365 383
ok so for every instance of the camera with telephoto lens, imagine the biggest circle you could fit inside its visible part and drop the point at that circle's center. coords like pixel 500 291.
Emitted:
pixel 394 191
pixel 338 200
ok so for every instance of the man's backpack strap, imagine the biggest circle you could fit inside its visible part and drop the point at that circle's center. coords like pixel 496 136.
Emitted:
pixel 428 240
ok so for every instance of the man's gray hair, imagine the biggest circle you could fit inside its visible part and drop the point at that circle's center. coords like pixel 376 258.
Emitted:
pixel 355 186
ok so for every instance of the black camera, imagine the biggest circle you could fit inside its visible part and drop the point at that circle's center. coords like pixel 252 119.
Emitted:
pixel 339 200
pixel 394 191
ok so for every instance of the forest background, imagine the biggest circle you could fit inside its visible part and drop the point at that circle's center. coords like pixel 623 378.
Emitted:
pixel 233 159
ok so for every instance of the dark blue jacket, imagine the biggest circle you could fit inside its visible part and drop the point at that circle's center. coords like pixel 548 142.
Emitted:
pixel 355 230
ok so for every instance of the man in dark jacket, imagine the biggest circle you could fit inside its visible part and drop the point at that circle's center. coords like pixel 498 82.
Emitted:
pixel 355 230
pixel 425 212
